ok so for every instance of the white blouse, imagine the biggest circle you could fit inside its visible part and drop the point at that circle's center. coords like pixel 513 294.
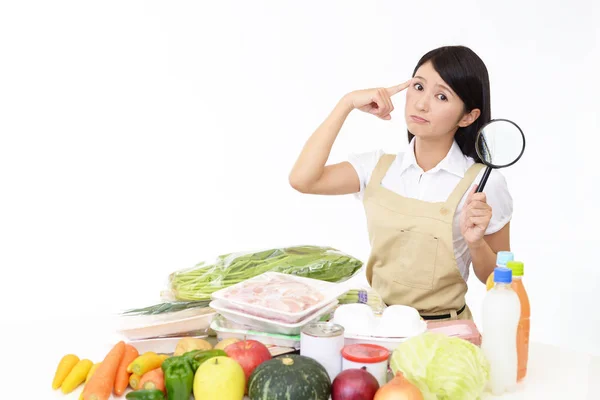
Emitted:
pixel 406 178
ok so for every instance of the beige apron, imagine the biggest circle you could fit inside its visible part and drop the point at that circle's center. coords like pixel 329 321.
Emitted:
pixel 412 254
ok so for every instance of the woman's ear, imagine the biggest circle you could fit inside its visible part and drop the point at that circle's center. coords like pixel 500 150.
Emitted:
pixel 469 118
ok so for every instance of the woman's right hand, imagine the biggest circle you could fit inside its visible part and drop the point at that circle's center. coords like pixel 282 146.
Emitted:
pixel 377 101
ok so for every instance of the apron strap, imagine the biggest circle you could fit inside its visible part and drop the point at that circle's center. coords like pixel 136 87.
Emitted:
pixel 464 185
pixel 453 315
pixel 381 169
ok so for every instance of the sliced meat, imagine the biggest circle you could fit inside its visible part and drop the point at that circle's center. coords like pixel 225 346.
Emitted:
pixel 283 294
pixel 276 304
pixel 294 305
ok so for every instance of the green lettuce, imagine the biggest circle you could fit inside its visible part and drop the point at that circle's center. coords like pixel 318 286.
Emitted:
pixel 442 367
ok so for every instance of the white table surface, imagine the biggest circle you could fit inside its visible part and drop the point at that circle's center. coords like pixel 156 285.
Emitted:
pixel 33 349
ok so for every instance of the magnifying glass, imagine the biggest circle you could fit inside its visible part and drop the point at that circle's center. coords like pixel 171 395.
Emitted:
pixel 500 143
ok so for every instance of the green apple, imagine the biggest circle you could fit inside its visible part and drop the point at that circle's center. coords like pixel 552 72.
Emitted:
pixel 219 378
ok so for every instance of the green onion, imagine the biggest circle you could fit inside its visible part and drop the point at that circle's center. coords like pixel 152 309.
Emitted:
pixel 166 307
pixel 322 263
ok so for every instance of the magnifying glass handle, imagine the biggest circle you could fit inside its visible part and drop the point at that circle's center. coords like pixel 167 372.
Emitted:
pixel 484 179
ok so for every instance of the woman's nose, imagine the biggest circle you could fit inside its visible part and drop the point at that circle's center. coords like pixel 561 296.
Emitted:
pixel 422 104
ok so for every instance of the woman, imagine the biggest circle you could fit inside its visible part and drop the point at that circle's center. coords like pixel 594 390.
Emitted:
pixel 426 223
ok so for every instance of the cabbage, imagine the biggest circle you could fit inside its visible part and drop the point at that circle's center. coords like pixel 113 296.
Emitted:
pixel 442 367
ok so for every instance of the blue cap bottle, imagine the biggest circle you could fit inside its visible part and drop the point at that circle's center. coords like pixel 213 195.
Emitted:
pixel 502 275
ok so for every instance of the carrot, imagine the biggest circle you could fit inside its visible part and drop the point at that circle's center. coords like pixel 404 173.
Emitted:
pixel 102 382
pixel 122 377
pixel 154 379
pixel 88 377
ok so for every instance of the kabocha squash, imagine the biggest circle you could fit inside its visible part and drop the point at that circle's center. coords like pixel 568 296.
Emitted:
pixel 289 377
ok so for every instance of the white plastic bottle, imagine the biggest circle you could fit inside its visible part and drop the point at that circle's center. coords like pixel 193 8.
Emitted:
pixel 501 313
pixel 502 258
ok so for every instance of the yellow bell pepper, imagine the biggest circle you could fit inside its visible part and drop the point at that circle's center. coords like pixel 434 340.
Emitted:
pixel 77 376
pixel 134 381
pixel 65 366
pixel 146 362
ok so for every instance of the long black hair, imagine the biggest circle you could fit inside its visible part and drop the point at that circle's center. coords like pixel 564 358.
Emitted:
pixel 467 75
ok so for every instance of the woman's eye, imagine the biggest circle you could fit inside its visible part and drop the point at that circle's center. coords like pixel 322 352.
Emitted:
pixel 418 86
pixel 442 97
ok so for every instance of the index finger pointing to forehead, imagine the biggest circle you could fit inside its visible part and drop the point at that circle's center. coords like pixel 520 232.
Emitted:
pixel 398 88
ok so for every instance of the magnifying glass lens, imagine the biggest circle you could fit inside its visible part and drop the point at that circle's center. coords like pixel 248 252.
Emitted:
pixel 500 143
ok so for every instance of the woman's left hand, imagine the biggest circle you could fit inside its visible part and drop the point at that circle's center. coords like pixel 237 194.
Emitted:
pixel 475 217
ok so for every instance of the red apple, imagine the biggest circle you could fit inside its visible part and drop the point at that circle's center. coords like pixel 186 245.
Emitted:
pixel 249 354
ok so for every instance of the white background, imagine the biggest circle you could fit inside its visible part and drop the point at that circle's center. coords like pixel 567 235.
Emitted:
pixel 138 138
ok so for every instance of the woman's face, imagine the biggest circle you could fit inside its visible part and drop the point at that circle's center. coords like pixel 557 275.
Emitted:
pixel 432 108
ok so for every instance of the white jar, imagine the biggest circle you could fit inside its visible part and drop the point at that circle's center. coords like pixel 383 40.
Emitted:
pixel 371 356
pixel 323 342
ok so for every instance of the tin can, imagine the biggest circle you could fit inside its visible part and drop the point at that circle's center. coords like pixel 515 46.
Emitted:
pixel 323 342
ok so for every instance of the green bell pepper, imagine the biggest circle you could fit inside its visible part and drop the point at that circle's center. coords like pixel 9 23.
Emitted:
pixel 146 394
pixel 179 379
pixel 197 357
pixel 179 371
pixel 165 364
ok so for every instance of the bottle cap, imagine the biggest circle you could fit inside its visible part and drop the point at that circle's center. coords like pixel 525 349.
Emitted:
pixel 517 267
pixel 502 275
pixel 365 353
pixel 503 257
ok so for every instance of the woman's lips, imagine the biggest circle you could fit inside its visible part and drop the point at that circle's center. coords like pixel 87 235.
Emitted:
pixel 418 120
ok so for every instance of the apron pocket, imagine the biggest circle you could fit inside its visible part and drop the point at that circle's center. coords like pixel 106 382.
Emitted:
pixel 413 258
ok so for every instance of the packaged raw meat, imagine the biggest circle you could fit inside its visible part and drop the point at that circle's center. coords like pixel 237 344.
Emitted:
pixel 464 329
pixel 269 325
pixel 280 297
